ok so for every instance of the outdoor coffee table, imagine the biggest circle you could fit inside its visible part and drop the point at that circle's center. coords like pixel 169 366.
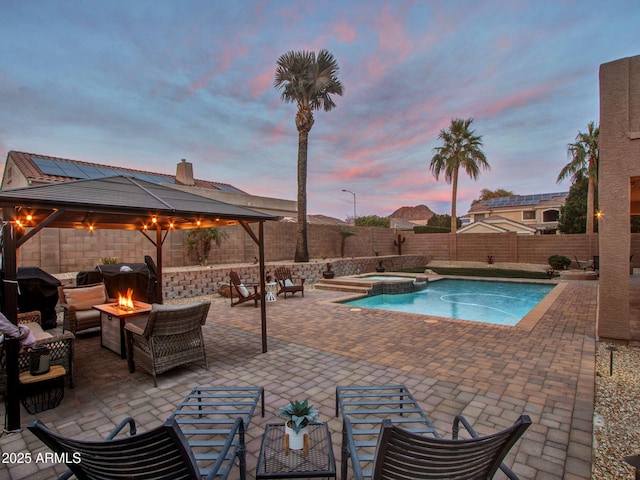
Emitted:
pixel 112 322
pixel 273 462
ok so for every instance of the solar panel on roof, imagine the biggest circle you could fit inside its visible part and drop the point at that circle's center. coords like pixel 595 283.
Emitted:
pixel 516 200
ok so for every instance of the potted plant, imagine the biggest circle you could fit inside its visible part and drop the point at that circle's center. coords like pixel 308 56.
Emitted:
pixel 328 273
pixel 298 415
pixel 380 267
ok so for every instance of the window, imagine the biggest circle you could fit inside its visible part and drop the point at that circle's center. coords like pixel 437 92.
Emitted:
pixel 550 215
pixel 529 215
pixel 478 216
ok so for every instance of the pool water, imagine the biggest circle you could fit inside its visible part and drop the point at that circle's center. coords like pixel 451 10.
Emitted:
pixel 500 303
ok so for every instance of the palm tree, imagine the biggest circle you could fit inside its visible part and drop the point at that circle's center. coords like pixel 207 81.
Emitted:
pixel 584 155
pixel 308 81
pixel 199 241
pixel 460 148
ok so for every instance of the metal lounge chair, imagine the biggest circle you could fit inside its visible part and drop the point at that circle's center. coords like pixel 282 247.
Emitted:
pixel 286 283
pixel 387 436
pixel 584 264
pixel 170 451
pixel 244 295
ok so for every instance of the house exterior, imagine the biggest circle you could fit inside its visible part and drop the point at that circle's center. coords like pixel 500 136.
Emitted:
pixel 27 169
pixel 525 214
pixel 618 194
pixel 497 224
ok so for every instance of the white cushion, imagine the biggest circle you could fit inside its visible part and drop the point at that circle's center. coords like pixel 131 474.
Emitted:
pixel 288 283
pixel 83 298
pixel 37 331
pixel 243 290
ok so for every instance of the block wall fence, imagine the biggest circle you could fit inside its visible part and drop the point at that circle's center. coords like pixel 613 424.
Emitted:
pixel 60 251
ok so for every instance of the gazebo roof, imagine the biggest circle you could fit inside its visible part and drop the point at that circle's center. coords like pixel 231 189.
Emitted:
pixel 122 203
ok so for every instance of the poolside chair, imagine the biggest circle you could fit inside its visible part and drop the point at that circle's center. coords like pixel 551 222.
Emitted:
pixel 584 264
pixel 242 291
pixel 170 336
pixel 286 284
pixel 203 438
pixel 387 436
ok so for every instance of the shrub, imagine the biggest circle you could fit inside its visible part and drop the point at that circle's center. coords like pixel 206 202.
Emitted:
pixel 559 262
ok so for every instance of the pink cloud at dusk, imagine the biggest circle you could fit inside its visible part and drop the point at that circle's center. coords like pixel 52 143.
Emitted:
pixel 194 80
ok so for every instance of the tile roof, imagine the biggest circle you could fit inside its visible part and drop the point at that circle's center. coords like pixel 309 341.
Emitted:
pixel 25 162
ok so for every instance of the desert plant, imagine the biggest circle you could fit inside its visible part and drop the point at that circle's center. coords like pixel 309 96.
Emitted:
pixel 559 262
pixel 108 260
pixel 199 241
pixel 298 414
pixel 344 234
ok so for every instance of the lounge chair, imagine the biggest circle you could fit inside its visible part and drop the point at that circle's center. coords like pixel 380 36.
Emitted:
pixel 387 436
pixel 584 264
pixel 243 293
pixel 202 439
pixel 286 283
pixel 169 337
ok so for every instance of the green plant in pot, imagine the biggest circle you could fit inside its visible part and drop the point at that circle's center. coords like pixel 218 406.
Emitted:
pixel 298 415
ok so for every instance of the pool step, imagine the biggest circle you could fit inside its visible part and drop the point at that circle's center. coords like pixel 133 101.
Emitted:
pixel 340 285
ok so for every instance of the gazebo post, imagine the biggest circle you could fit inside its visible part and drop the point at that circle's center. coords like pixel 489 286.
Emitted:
pixel 10 299
pixel 159 262
pixel 263 305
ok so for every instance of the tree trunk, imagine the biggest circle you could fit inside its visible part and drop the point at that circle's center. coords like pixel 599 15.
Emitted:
pixel 454 194
pixel 304 122
pixel 302 250
pixel 590 206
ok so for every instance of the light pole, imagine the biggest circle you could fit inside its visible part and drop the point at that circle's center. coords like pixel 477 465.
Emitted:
pixel 354 204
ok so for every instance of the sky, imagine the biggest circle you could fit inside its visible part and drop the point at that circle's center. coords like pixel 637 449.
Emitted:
pixel 143 84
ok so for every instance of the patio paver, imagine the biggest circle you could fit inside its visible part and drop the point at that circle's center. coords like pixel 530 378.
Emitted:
pixel 491 374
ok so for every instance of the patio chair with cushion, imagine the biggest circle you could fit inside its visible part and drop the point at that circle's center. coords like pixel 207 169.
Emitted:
pixel 243 293
pixel 170 336
pixel 215 420
pixel 60 349
pixel 387 436
pixel 77 304
pixel 286 283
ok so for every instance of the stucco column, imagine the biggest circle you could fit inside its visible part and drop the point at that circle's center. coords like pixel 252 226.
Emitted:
pixel 619 161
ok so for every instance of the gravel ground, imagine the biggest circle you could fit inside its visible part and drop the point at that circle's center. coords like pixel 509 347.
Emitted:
pixel 617 408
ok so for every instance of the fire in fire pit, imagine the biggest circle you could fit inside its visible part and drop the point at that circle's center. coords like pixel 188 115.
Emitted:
pixel 125 302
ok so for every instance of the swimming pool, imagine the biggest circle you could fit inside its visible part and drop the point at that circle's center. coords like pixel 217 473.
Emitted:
pixel 500 303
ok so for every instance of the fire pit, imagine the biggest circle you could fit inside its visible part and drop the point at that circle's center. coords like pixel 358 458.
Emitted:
pixel 114 316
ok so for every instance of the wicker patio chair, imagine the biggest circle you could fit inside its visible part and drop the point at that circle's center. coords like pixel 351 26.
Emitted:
pixel 244 295
pixel 387 436
pixel 77 303
pixel 286 283
pixel 61 349
pixel 169 337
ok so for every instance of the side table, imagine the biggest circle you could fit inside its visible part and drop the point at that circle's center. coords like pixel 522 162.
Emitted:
pixel 42 392
pixel 273 462
pixel 270 294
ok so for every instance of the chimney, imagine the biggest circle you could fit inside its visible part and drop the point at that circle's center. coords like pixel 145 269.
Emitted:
pixel 184 173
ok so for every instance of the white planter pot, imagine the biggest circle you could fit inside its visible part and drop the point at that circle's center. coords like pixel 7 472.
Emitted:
pixel 296 440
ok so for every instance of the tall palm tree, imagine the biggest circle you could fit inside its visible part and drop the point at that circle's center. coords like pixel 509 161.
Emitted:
pixel 309 81
pixel 461 148
pixel 584 154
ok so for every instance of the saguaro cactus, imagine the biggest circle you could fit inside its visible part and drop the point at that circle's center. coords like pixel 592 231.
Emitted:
pixel 398 243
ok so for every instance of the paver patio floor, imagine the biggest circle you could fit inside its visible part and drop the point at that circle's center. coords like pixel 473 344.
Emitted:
pixel 491 374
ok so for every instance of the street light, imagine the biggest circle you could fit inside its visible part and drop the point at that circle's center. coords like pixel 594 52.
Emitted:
pixel 354 204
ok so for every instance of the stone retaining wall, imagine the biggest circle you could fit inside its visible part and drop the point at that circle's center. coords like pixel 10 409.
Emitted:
pixel 194 281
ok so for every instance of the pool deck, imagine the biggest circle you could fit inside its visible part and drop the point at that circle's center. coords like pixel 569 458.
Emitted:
pixel 491 374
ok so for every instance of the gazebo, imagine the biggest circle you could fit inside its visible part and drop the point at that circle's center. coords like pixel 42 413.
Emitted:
pixel 117 202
